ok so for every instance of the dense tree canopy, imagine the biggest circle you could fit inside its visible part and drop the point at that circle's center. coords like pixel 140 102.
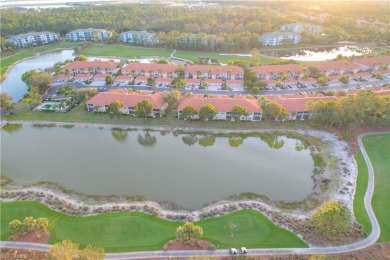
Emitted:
pixel 235 28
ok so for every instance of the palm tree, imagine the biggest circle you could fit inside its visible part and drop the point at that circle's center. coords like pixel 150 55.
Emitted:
pixel 198 73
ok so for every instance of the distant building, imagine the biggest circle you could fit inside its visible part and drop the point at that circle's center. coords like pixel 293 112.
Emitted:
pixel 197 40
pixel 292 27
pixel 33 38
pixel 139 37
pixel 313 28
pixel 88 35
pixel 280 38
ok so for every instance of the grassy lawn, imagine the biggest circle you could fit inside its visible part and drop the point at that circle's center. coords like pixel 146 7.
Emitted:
pixel 137 52
pixel 6 62
pixel 124 51
pixel 361 186
pixel 118 232
pixel 80 115
pixel 377 147
pixel 248 228
pixel 193 55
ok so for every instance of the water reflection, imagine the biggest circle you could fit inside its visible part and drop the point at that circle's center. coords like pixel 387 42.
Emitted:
pixel 190 139
pixel 207 140
pixel 147 139
pixel 236 141
pixel 12 128
pixel 275 142
pixel 119 135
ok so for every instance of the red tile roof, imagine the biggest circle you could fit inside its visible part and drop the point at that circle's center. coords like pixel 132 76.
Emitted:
pixel 83 76
pixel 142 78
pixel 267 69
pixel 163 80
pixel 100 76
pixel 334 65
pixel 221 103
pixel 383 72
pixel 214 69
pixel 297 103
pixel 213 81
pixel 373 60
pixel 192 81
pixel 128 99
pixel 92 64
pixel 123 78
pixel 235 82
pixel 146 67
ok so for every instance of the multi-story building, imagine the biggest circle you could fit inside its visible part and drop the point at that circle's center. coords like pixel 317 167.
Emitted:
pixel 94 67
pixel 334 68
pixel 280 38
pixel 373 63
pixel 151 70
pixel 88 35
pixel 101 101
pixel 275 72
pixel 139 37
pixel 292 27
pixel 197 40
pixel 33 38
pixel 214 72
pixel 224 105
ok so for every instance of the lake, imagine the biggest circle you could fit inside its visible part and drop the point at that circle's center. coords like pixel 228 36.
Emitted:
pixel 318 54
pixel 189 170
pixel 14 85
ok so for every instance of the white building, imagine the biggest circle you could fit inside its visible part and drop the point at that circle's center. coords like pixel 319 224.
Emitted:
pixel 280 38
pixel 33 38
pixel 292 27
pixel 88 35
pixel 139 37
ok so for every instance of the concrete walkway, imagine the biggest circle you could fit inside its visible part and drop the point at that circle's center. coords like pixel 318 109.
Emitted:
pixel 371 239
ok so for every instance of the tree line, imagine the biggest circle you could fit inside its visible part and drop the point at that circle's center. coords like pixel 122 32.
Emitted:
pixel 237 29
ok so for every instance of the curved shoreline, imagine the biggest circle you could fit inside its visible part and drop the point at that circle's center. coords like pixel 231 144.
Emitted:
pixel 10 67
pixel 338 149
pixel 368 241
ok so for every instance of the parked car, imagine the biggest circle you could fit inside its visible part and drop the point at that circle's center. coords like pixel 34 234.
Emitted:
pixel 233 251
pixel 243 250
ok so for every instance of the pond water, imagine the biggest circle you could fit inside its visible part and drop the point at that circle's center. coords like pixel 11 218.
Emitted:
pixel 14 85
pixel 318 54
pixel 190 170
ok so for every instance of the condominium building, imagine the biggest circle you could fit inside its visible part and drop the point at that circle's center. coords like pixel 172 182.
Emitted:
pixel 280 38
pixel 292 27
pixel 88 35
pixel 197 40
pixel 139 37
pixel 33 38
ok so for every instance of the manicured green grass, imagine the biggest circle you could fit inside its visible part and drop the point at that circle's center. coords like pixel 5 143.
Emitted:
pixel 119 232
pixel 361 187
pixel 80 115
pixel 124 51
pixel 378 147
pixel 138 52
pixel 248 228
pixel 8 61
pixel 193 56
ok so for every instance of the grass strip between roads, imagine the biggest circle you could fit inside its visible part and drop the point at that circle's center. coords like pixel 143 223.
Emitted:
pixel 377 147
pixel 120 232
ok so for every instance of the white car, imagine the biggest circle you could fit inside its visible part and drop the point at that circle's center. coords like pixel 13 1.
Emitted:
pixel 233 251
pixel 243 250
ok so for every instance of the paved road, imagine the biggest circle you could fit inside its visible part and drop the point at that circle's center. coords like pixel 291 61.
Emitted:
pixel 52 91
pixel 371 239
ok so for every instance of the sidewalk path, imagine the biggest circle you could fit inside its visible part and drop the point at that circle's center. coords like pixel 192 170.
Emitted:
pixel 368 241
